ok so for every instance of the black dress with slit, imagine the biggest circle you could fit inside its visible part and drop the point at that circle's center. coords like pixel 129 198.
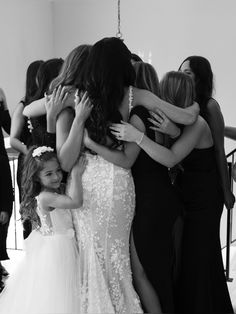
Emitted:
pixel 157 208
pixel 202 287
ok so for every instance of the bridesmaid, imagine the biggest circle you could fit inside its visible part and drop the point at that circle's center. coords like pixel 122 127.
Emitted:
pixel 157 205
pixel 199 69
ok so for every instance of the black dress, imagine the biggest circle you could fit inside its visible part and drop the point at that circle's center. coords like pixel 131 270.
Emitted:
pixel 40 136
pixel 203 287
pixel 6 191
pixel 25 138
pixel 157 208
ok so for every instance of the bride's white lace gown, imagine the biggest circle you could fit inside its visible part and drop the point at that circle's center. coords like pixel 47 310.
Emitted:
pixel 46 280
pixel 102 227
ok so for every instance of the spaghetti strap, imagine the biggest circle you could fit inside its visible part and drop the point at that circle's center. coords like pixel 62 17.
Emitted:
pixel 131 97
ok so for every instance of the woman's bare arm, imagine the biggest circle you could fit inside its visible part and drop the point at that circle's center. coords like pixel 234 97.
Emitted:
pixel 216 124
pixel 147 99
pixel 123 158
pixel 17 126
pixel 38 107
pixel 230 132
pixel 35 108
pixel 69 132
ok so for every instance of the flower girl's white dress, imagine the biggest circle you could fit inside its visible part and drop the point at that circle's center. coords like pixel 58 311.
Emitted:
pixel 46 280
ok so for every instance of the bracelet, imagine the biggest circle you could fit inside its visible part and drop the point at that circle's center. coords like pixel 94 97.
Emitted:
pixel 140 140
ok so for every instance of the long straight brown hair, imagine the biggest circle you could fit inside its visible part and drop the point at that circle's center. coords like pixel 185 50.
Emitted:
pixel 146 77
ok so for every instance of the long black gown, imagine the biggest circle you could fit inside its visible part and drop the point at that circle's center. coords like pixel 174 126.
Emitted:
pixel 203 287
pixel 6 191
pixel 157 208
pixel 25 138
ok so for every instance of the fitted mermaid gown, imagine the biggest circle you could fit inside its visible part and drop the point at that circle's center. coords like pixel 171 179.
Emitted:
pixel 102 227
pixel 203 287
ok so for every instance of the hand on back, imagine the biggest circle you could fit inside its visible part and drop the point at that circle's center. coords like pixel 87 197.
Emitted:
pixel 79 167
pixel 163 124
pixel 83 106
pixel 56 102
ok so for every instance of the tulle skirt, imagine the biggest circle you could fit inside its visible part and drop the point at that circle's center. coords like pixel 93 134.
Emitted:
pixel 46 279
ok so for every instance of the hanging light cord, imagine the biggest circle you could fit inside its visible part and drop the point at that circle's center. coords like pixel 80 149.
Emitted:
pixel 119 34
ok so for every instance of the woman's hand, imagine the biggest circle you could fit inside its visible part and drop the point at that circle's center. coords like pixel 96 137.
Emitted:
pixel 126 132
pixel 79 166
pixel 163 124
pixel 55 103
pixel 229 199
pixel 4 217
pixel 83 106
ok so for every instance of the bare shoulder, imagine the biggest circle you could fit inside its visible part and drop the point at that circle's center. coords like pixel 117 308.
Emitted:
pixel 199 125
pixel 213 105
pixel 202 122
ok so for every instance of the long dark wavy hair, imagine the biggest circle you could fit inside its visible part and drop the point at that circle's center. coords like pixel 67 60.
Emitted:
pixel 108 71
pixel 31 186
pixel 31 85
pixel 47 71
pixel 72 70
pixel 201 68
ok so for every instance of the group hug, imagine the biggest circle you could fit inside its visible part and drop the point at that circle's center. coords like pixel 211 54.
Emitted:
pixel 122 181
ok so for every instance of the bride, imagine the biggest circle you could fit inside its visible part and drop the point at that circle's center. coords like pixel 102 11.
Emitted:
pixel 104 221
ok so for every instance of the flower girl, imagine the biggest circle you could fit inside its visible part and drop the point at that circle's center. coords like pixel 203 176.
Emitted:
pixel 47 279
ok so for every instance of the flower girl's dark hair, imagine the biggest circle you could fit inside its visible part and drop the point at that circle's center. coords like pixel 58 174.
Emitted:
pixel 31 186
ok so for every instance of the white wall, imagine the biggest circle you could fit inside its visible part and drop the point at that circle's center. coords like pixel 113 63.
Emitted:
pixel 26 35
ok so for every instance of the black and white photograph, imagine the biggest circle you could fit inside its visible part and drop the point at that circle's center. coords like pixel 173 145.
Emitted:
pixel 117 157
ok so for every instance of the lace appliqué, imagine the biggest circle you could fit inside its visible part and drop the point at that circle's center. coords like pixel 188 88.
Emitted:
pixel 46 223
pixel 102 227
pixel 46 227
